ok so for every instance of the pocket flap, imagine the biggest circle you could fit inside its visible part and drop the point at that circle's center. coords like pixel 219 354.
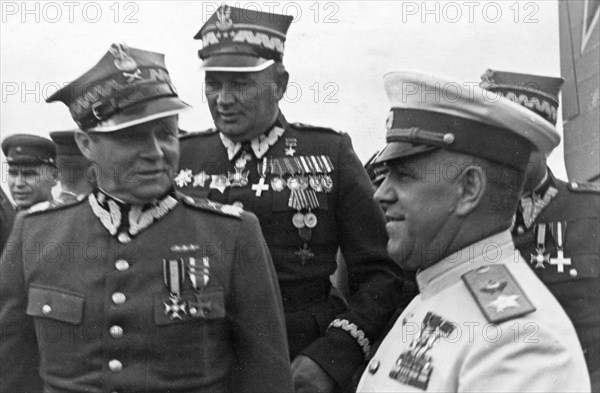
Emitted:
pixel 55 304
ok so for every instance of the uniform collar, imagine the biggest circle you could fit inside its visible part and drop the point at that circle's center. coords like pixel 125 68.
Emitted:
pixel 125 221
pixel 259 144
pixel 449 270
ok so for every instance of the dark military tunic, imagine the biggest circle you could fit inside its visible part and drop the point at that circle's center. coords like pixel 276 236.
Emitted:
pixel 348 218
pixel 97 310
pixel 7 216
pixel 577 288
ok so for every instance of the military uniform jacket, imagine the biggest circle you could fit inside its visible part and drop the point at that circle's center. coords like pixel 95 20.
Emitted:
pixel 482 323
pixel 7 216
pixel 94 314
pixel 577 287
pixel 348 218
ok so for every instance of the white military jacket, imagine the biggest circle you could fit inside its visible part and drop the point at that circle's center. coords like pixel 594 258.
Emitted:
pixel 483 322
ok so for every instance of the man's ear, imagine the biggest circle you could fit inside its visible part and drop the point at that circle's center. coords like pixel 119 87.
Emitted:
pixel 281 82
pixel 86 144
pixel 473 183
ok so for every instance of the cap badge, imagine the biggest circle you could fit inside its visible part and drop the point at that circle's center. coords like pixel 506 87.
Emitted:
pixel 124 62
pixel 224 22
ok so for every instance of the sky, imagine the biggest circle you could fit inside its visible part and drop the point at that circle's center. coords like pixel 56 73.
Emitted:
pixel 336 53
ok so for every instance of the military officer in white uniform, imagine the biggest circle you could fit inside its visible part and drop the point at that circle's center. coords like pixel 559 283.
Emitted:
pixel 482 321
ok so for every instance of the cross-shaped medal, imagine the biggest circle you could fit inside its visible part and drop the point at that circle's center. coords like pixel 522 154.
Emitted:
pixel 560 261
pixel 177 306
pixel 539 258
pixel 199 308
pixel 305 254
pixel 260 187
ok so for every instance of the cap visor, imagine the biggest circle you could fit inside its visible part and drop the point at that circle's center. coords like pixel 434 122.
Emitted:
pixel 396 150
pixel 235 63
pixel 142 113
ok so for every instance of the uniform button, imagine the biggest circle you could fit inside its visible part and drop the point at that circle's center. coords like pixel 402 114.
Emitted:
pixel 115 366
pixel 573 272
pixel 118 298
pixel 238 204
pixel 374 366
pixel 123 237
pixel 46 309
pixel 122 265
pixel 116 331
pixel 520 230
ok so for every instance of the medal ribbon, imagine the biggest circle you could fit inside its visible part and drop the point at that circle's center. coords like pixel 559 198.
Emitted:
pixel 174 275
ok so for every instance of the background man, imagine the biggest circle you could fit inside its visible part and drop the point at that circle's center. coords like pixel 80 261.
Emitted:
pixel 31 168
pixel 74 171
pixel 456 163
pixel 7 216
pixel 179 294
pixel 554 216
pixel 308 188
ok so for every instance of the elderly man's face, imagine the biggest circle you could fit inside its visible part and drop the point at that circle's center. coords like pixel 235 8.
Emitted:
pixel 418 197
pixel 31 184
pixel 243 104
pixel 136 164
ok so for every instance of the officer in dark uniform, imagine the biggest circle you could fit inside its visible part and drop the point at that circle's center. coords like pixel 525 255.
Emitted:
pixel 31 168
pixel 74 171
pixel 7 217
pixel 138 288
pixel 308 189
pixel 557 225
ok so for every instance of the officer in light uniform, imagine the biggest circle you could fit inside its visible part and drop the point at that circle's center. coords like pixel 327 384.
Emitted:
pixel 483 322
pixel 74 172
pixel 306 186
pixel 138 288
pixel 548 205
pixel 31 168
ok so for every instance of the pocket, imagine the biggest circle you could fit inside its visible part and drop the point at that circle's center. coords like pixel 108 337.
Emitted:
pixel 207 305
pixel 56 304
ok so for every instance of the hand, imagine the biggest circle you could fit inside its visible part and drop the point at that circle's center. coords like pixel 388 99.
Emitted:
pixel 309 377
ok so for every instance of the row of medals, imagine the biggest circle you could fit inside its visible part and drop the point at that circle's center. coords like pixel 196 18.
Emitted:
pixel 298 183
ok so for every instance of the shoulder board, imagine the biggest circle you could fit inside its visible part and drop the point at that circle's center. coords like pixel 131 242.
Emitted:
pixel 497 293
pixel 314 128
pixel 191 134
pixel 213 207
pixel 584 187
pixel 53 205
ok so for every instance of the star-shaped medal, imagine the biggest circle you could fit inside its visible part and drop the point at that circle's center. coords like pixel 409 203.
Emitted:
pixel 219 182
pixel 200 179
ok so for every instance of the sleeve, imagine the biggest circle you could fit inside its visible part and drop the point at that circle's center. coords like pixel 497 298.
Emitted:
pixel 375 281
pixel 524 357
pixel 19 358
pixel 259 325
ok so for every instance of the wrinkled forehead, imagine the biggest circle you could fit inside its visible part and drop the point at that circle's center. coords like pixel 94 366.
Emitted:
pixel 230 76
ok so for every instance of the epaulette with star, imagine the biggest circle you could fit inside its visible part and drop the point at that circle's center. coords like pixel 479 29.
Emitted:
pixel 213 207
pixel 584 187
pixel 191 134
pixel 315 128
pixel 497 293
pixel 54 205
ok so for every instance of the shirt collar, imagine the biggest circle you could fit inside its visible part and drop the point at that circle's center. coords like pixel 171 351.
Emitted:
pixel 259 144
pixel 449 270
